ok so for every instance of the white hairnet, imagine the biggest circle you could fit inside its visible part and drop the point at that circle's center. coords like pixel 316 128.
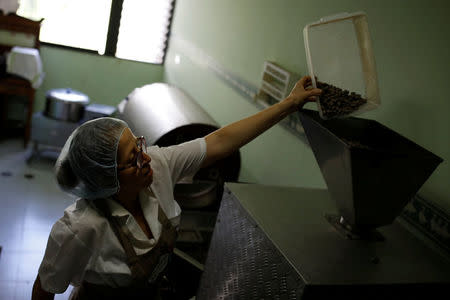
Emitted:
pixel 87 165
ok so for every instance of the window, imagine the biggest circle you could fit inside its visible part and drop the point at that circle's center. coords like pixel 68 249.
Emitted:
pixel 127 29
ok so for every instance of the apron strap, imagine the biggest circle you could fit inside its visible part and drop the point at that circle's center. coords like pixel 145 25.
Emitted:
pixel 162 217
pixel 141 265
pixel 118 230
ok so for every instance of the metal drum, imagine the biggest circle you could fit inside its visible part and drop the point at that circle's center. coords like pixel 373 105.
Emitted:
pixel 65 104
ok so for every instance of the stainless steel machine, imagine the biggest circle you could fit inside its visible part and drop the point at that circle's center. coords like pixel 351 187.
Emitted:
pixel 65 110
pixel 341 243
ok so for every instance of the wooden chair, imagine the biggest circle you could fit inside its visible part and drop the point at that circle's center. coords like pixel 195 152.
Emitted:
pixel 11 85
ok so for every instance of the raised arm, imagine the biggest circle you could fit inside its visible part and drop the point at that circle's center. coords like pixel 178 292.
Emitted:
pixel 226 140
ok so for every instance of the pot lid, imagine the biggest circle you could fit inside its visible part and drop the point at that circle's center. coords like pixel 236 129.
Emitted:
pixel 68 95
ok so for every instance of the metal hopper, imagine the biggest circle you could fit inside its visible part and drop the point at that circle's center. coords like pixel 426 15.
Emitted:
pixel 371 171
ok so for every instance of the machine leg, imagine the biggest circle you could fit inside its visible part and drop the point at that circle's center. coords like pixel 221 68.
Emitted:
pixel 34 152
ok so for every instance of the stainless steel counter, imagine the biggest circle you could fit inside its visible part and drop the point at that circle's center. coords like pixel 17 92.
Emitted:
pixel 282 231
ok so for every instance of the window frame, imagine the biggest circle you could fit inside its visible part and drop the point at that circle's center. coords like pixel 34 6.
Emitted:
pixel 113 35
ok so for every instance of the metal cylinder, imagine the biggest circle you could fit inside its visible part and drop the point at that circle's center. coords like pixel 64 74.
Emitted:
pixel 65 104
pixel 157 109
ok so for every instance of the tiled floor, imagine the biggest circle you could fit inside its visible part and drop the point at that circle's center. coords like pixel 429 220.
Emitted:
pixel 28 209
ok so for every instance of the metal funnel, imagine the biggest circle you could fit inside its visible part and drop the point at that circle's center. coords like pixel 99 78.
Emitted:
pixel 371 171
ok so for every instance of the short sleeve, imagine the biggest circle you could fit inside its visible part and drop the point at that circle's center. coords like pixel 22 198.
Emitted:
pixel 65 259
pixel 185 159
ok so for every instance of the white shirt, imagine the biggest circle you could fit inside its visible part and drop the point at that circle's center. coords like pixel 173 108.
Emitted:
pixel 82 244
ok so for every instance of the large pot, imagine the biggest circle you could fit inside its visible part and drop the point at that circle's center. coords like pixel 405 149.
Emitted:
pixel 198 194
pixel 65 104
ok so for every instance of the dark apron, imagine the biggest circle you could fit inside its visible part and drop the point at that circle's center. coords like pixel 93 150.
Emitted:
pixel 141 266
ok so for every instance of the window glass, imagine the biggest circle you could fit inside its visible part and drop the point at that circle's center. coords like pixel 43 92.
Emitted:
pixel 142 34
pixel 143 29
pixel 75 23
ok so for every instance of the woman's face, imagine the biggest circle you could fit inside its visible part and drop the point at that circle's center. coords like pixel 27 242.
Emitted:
pixel 130 176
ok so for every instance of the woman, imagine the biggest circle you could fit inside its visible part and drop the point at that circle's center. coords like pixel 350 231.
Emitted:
pixel 116 240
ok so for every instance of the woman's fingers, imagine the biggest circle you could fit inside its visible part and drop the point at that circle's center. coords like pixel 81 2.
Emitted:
pixel 304 80
pixel 314 92
pixel 311 99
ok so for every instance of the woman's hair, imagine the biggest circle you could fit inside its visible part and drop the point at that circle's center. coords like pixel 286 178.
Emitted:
pixel 87 165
